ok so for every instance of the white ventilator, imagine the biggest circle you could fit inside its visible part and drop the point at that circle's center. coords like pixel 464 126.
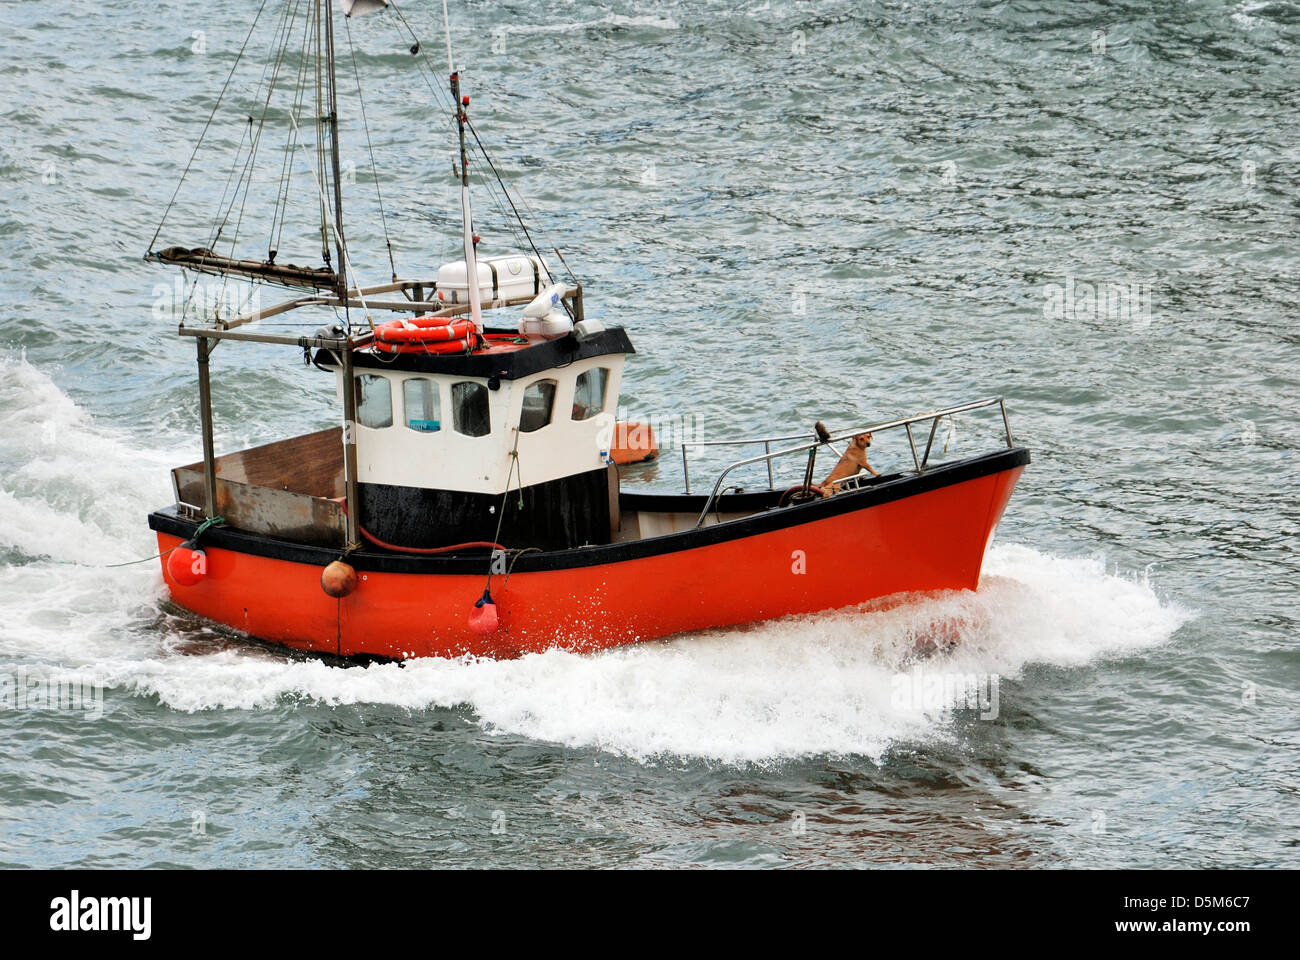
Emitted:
pixel 545 302
pixel 544 316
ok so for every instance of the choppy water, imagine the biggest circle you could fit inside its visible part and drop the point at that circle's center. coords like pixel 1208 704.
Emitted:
pixel 842 211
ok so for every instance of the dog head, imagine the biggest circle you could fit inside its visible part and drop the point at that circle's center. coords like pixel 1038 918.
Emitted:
pixel 862 440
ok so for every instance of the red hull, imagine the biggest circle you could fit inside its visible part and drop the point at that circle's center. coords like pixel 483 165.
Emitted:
pixel 929 540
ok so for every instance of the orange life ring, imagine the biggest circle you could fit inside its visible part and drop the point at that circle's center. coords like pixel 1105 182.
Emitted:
pixel 441 346
pixel 424 330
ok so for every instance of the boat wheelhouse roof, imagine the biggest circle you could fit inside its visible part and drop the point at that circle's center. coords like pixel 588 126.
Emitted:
pixel 512 360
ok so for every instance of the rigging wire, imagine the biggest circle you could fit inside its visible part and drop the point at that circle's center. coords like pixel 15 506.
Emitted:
pixel 281 209
pixel 215 230
pixel 418 48
pixel 218 219
pixel 374 170
pixel 322 175
pixel 282 46
pixel 207 124
pixel 506 192
pixel 426 71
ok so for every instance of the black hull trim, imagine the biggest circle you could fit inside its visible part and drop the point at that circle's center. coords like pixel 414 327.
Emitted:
pixel 168 521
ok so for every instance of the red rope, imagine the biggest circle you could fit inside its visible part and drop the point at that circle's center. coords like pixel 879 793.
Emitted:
pixel 342 502
pixel 449 549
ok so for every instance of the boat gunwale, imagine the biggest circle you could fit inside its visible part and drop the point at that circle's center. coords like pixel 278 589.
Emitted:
pixel 169 521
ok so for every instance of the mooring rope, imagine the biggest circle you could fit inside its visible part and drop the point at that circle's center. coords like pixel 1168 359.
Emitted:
pixel 204 527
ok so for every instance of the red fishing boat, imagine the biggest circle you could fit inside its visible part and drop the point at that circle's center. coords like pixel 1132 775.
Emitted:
pixel 470 499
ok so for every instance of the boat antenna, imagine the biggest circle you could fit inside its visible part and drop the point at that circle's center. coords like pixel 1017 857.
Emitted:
pixel 446 22
pixel 461 105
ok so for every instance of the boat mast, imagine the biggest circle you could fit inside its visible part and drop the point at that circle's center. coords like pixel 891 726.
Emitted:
pixel 332 119
pixel 462 117
pixel 351 488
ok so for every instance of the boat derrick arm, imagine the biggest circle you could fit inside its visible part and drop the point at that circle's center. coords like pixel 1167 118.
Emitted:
pixel 416 303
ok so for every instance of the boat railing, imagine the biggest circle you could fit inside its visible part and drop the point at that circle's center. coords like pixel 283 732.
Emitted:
pixel 920 461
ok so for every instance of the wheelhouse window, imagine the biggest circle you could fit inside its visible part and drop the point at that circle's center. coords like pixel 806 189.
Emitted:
pixel 374 401
pixel 589 393
pixel 538 400
pixel 420 404
pixel 469 409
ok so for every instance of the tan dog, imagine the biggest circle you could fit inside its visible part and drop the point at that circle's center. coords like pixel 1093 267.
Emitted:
pixel 854 459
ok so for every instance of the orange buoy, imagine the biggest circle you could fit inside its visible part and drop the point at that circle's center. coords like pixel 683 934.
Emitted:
pixel 338 579
pixel 187 564
pixel 633 442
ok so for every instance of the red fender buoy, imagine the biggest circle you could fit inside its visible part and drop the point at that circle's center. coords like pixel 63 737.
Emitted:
pixel 187 564
pixel 338 579
pixel 483 618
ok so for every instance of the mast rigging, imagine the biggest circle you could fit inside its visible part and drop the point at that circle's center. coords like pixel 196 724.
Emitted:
pixel 307 33
pixel 333 120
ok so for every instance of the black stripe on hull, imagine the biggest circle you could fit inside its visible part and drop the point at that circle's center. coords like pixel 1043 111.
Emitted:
pixel 168 521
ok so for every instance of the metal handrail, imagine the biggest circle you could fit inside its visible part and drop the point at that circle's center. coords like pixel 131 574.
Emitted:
pixel 906 422
pixel 765 441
